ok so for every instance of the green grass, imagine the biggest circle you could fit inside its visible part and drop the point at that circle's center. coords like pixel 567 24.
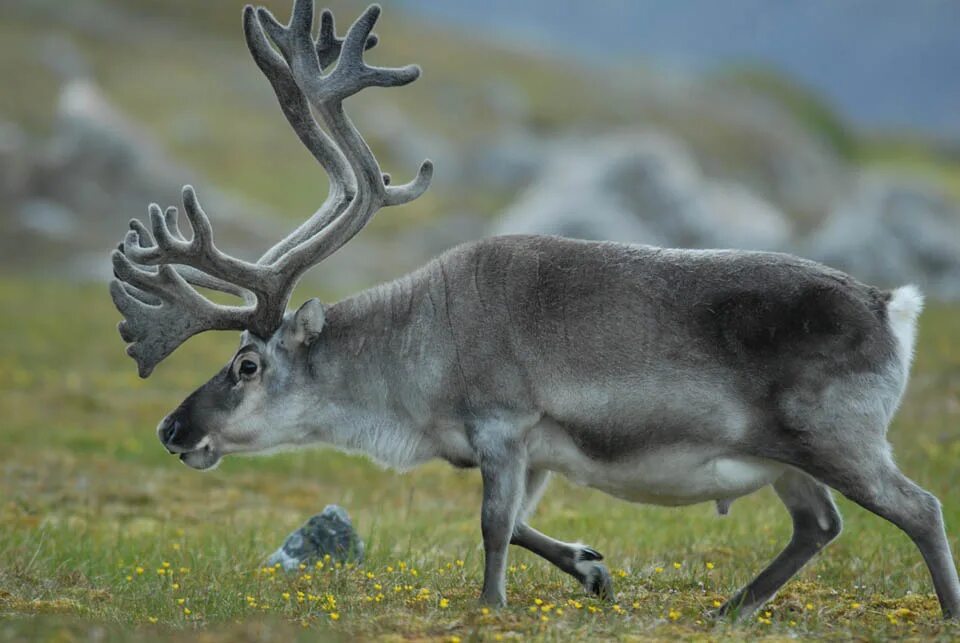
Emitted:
pixel 87 496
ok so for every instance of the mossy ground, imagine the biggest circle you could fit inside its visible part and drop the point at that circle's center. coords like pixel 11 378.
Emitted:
pixel 103 533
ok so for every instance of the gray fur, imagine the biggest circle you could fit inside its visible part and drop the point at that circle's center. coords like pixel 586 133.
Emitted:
pixel 662 376
pixel 526 354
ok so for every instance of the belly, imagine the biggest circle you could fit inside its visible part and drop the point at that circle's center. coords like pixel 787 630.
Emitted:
pixel 675 475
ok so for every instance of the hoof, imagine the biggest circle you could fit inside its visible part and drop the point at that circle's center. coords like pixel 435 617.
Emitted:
pixel 588 553
pixel 597 581
pixel 495 602
pixel 731 612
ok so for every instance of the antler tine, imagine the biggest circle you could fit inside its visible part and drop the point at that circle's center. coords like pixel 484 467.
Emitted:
pixel 326 94
pixel 174 313
pixel 156 265
pixel 139 237
pixel 297 111
pixel 198 261
pixel 329 45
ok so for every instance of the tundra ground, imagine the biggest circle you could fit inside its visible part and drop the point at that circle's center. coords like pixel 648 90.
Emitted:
pixel 103 534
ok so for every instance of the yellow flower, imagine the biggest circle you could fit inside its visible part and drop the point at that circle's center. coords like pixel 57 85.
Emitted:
pixel 444 603
pixel 186 611
pixel 377 586
pixel 538 601
pixel 165 565
pixel 129 578
pixel 286 596
pixel 370 575
pixel 175 586
pixel 184 570
pixel 176 546
pixel 636 605
pixel 181 601
pixel 307 577
pixel 717 603
pixel 454 639
pixel 334 616
pixel 139 570
pixel 674 615
pixel 459 563
pixel 709 565
pixel 161 571
pixel 677 565
pixel 152 619
pixel 855 606
pixel 809 606
pixel 658 570
pixel 319 564
pixel 544 618
pixel 484 610
pixel 559 611
pixel 302 567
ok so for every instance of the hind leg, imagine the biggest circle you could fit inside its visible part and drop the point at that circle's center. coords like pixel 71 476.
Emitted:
pixel 580 561
pixel 815 523
pixel 885 491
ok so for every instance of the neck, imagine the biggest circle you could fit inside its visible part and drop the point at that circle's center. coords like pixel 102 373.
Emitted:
pixel 375 351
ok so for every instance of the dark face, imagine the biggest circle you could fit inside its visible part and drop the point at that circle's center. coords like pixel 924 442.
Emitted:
pixel 197 429
pixel 263 399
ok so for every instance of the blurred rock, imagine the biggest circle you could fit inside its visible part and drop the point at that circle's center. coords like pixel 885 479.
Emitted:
pixel 72 194
pixel 646 188
pixel 891 231
pixel 328 532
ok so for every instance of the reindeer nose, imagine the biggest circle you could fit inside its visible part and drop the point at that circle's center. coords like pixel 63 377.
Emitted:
pixel 168 431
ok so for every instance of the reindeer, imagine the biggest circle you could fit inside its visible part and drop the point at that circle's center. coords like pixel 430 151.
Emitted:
pixel 656 375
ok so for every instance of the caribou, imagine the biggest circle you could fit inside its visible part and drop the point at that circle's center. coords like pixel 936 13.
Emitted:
pixel 664 376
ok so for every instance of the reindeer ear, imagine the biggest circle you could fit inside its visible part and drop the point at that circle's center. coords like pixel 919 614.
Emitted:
pixel 308 322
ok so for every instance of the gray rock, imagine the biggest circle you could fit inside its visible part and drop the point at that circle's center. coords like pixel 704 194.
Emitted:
pixel 890 231
pixel 328 532
pixel 645 188
pixel 70 195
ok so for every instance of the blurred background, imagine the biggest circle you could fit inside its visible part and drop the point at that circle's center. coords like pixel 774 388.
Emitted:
pixel 748 124
pixel 827 129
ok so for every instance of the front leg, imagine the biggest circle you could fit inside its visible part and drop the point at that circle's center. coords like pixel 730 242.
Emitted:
pixel 502 468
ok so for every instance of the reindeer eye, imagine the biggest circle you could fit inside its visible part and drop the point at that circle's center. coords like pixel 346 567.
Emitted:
pixel 248 367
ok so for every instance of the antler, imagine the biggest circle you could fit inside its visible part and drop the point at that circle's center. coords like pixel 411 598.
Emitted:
pixel 157 269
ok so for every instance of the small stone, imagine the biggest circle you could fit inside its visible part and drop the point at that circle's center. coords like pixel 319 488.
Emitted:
pixel 329 532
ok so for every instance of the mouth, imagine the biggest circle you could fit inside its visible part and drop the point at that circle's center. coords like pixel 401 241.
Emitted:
pixel 201 456
pixel 201 459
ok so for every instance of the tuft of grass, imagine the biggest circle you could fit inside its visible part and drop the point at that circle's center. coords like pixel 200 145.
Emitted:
pixel 102 531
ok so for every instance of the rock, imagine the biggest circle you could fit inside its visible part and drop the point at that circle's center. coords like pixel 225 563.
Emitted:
pixel 70 196
pixel 328 532
pixel 890 231
pixel 645 188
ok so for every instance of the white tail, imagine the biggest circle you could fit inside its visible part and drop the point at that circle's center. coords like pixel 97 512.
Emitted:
pixel 905 305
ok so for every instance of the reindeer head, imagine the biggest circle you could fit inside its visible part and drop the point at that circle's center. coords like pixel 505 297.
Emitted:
pixel 253 403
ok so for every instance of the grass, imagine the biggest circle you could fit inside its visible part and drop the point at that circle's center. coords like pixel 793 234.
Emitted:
pixel 104 534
